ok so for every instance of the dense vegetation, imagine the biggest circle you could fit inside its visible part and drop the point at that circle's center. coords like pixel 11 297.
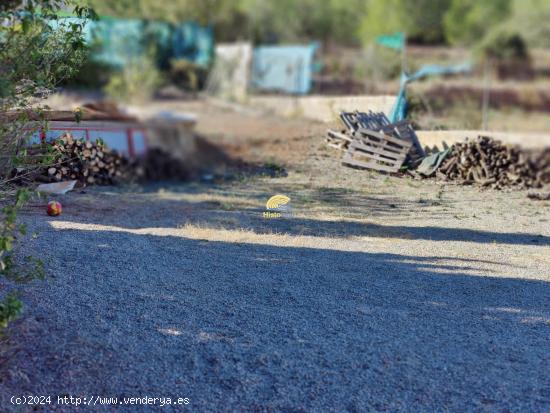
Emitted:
pixel 34 57
pixel 350 22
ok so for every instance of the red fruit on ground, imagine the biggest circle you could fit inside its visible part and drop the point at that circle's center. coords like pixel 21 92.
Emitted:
pixel 54 208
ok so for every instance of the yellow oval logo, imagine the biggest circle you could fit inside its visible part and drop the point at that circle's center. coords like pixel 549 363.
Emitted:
pixel 277 201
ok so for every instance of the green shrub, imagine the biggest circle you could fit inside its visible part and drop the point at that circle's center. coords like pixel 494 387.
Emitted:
pixel 34 58
pixel 530 18
pixel 10 308
pixel 92 75
pixel 136 82
pixel 421 20
pixel 382 63
pixel 187 75
pixel 503 44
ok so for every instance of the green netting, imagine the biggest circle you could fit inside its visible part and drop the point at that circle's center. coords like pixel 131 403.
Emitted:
pixel 399 110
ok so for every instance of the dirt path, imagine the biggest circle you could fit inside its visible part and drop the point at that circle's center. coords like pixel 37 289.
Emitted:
pixel 377 294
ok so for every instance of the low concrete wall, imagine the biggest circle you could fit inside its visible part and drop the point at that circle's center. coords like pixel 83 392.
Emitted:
pixel 526 140
pixel 321 108
pixel 327 109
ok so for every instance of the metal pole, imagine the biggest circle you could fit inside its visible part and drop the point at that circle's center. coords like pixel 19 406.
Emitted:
pixel 486 95
pixel 404 54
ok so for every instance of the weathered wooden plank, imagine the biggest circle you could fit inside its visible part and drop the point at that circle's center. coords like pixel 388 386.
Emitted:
pixel 370 165
pixel 405 130
pixel 363 157
pixel 338 135
pixel 376 157
pixel 383 144
pixel 380 151
pixel 375 161
pixel 382 136
pixel 383 149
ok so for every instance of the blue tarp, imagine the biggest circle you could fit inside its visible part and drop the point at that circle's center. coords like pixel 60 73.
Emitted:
pixel 284 68
pixel 193 42
pixel 115 41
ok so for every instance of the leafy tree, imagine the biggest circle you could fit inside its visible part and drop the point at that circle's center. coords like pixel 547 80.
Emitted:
pixel 468 21
pixel 346 17
pixel 531 19
pixel 284 20
pixel 421 20
pixel 288 20
pixel 225 16
pixel 259 20
pixel 36 52
pixel 202 11
pixel 345 21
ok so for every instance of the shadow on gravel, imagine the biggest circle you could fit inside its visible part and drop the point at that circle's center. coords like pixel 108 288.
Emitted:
pixel 216 215
pixel 300 226
pixel 248 327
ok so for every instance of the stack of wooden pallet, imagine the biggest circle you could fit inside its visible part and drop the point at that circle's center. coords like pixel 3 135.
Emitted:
pixel 371 141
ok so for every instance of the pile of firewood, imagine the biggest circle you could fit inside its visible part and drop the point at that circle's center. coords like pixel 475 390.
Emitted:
pixel 86 162
pixel 89 163
pixel 487 162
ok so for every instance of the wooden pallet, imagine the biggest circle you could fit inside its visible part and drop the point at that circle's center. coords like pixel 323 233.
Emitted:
pixel 338 140
pixel 375 150
pixel 405 131
pixel 355 120
pixel 378 121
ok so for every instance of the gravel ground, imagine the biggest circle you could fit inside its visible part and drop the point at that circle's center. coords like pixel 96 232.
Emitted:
pixel 397 296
